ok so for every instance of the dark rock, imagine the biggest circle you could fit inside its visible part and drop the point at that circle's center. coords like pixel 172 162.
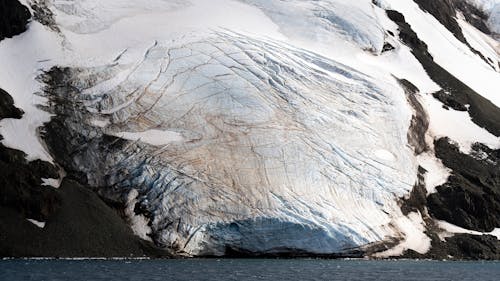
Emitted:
pixel 7 108
pixel 461 247
pixel 419 122
pixel 466 246
pixel 387 47
pixel 417 201
pixel 13 18
pixel 471 196
pixel 43 15
pixel 21 181
pixel 451 101
pixel 407 35
pixel 473 15
pixel 482 111
pixel 78 222
pixel 83 226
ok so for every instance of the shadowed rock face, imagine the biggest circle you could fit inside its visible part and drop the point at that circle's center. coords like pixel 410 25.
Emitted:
pixel 461 247
pixel 13 18
pixel 77 222
pixel 82 226
pixel 20 180
pixel 7 108
pixel 471 197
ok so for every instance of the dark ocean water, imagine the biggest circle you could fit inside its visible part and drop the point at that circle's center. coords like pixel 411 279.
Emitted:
pixel 246 269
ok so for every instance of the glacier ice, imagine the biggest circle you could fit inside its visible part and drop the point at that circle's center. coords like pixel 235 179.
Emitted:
pixel 327 21
pixel 267 160
pixel 219 124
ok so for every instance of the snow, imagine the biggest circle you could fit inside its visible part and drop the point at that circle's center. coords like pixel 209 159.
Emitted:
pixel 450 53
pixel 153 137
pixel 485 5
pixel 326 21
pixel 138 223
pixel 52 182
pixel 40 224
pixel 412 227
pixel 384 155
pixel 437 174
pixel 481 42
pixel 451 229
pixel 457 125
pixel 20 65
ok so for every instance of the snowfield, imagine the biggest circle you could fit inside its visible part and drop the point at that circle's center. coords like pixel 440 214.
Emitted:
pixel 256 125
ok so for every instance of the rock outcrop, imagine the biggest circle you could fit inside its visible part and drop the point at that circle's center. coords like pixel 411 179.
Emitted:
pixel 14 18
pixel 72 220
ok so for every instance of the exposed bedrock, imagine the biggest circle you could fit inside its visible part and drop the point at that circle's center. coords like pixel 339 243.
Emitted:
pixel 468 199
pixel 471 196
pixel 14 18
pixel 420 120
pixel 461 247
pixel 82 226
pixel 20 180
pixel 7 108
pixel 77 222
pixel 233 144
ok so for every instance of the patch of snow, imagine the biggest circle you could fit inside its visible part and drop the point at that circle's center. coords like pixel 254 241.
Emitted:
pixel 153 137
pixel 101 123
pixel 20 65
pixel 412 228
pixel 457 125
pixel 138 223
pixel 40 224
pixel 488 47
pixel 485 5
pixel 52 182
pixel 90 16
pixel 451 229
pixel 437 174
pixel 384 155
pixel 326 21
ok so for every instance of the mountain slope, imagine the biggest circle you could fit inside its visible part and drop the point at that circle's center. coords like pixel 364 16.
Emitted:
pixel 267 127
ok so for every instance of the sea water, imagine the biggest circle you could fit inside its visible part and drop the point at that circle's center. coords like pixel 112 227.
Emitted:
pixel 246 269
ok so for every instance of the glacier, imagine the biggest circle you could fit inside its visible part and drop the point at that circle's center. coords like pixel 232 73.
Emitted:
pixel 258 140
pixel 260 127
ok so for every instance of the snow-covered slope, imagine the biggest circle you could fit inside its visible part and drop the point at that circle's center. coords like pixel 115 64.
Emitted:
pixel 256 126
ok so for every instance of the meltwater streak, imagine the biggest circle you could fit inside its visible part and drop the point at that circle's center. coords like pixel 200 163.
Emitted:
pixel 246 269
